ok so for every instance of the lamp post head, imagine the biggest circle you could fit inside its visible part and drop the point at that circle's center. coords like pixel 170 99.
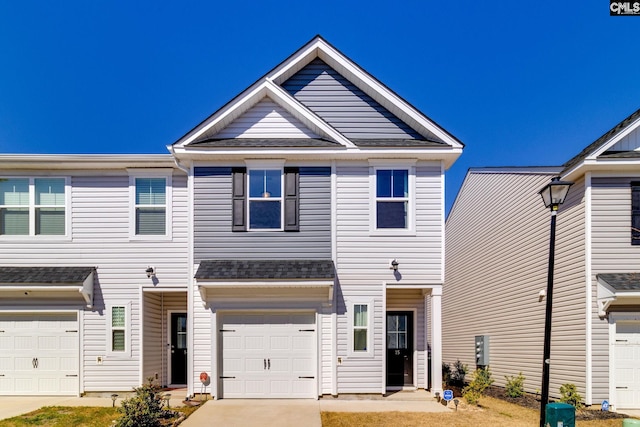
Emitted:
pixel 554 193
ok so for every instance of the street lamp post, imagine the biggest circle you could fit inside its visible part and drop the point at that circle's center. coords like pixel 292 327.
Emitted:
pixel 553 195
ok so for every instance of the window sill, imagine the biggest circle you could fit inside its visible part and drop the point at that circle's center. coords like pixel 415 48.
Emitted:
pixel 392 232
pixel 150 238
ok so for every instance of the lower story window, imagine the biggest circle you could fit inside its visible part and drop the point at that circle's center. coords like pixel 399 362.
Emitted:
pixel 360 327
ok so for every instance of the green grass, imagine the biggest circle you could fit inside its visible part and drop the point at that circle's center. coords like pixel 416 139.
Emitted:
pixel 71 416
pixel 62 416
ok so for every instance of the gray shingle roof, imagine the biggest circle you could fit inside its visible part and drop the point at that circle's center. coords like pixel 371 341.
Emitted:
pixel 398 143
pixel 252 270
pixel 44 275
pixel 602 140
pixel 266 143
pixel 621 281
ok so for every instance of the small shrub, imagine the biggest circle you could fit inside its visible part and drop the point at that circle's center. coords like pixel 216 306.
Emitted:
pixel 446 374
pixel 515 386
pixel 144 409
pixel 570 395
pixel 476 388
pixel 458 373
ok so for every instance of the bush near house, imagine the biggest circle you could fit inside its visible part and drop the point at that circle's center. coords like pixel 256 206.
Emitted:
pixel 476 388
pixel 514 386
pixel 144 409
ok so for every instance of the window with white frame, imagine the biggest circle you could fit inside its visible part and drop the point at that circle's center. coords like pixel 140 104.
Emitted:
pixel 392 198
pixel 151 204
pixel 265 199
pixel 33 206
pixel 360 327
pixel 118 341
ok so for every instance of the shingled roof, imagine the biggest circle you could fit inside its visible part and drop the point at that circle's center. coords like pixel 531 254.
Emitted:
pixel 253 270
pixel 600 141
pixel 621 281
pixel 44 275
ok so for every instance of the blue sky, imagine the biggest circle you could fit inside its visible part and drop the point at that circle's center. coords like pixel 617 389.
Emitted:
pixel 520 83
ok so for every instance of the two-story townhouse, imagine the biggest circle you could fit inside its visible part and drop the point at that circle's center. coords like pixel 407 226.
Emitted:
pixel 93 273
pixel 318 235
pixel 497 252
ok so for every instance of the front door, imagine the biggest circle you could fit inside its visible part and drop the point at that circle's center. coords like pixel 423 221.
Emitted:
pixel 178 348
pixel 399 348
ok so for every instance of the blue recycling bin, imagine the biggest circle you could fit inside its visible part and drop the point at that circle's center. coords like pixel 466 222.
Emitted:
pixel 560 415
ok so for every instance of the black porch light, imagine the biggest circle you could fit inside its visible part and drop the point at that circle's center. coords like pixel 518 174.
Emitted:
pixel 553 195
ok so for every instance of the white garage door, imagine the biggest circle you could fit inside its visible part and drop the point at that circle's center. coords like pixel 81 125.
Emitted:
pixel 39 354
pixel 627 365
pixel 268 356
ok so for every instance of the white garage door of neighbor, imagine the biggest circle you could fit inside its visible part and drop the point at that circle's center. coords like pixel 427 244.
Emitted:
pixel 268 356
pixel 627 365
pixel 39 354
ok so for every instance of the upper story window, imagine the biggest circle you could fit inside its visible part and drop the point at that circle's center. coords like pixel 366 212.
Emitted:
pixel 33 206
pixel 635 213
pixel 392 198
pixel 151 207
pixel 265 199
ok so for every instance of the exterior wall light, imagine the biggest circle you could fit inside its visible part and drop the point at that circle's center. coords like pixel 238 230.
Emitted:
pixel 393 265
pixel 151 272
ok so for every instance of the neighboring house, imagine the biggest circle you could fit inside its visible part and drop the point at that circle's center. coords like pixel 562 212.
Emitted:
pixel 302 256
pixel 497 237
pixel 78 312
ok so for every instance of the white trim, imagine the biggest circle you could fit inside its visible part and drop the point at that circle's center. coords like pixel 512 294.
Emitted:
pixel 369 353
pixel 216 350
pixel 126 354
pixel 443 217
pixel 588 289
pixel 190 290
pixel 142 323
pixel 436 339
pixel 410 229
pixel 611 142
pixel 32 210
pixel 334 257
pixel 167 174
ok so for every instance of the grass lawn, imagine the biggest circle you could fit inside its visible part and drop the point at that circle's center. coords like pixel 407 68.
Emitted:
pixel 493 412
pixel 71 416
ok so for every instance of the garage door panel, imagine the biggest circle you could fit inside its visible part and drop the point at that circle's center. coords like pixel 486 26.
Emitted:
pixel 627 365
pixel 275 350
pixel 39 354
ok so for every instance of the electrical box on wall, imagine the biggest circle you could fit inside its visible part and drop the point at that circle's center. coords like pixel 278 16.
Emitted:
pixel 482 350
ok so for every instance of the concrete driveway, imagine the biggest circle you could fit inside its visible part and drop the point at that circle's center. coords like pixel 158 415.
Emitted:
pixel 295 413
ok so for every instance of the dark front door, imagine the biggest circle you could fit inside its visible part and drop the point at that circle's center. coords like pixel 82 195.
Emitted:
pixel 178 348
pixel 399 348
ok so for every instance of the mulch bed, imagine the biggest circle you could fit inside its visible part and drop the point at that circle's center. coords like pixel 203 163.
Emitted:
pixel 532 401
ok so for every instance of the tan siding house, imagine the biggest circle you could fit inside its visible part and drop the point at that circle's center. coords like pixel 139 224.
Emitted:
pixel 497 251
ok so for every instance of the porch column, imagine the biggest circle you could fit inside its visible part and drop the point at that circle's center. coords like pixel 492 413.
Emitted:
pixel 436 339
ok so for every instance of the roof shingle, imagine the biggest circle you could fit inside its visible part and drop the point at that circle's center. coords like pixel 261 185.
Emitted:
pixel 252 270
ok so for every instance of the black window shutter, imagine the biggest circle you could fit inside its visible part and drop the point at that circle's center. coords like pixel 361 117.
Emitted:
pixel 239 207
pixel 635 213
pixel 291 199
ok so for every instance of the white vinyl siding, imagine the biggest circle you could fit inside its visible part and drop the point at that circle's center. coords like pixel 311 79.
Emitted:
pixel 99 237
pixel 266 119
pixel 363 262
pixel 499 298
